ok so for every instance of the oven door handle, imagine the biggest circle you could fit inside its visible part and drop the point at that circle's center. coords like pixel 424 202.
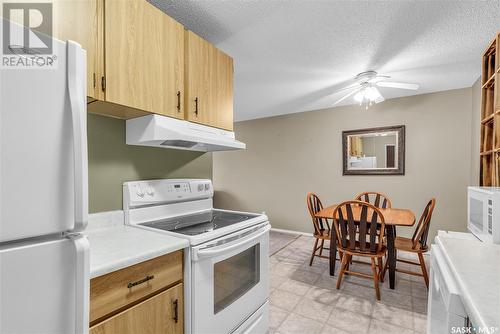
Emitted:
pixel 208 252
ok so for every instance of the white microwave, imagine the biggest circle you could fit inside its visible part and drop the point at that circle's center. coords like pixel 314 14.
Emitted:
pixel 483 213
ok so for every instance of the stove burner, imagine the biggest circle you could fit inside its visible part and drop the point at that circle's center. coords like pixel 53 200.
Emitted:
pixel 200 222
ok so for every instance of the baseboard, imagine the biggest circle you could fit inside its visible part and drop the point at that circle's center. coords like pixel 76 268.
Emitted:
pixel 291 232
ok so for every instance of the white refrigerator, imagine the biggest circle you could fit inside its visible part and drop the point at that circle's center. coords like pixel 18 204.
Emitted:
pixel 44 260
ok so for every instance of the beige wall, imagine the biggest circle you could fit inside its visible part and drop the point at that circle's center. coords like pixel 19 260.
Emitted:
pixel 111 163
pixel 288 156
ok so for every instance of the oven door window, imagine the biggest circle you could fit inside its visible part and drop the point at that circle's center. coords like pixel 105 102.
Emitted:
pixel 234 276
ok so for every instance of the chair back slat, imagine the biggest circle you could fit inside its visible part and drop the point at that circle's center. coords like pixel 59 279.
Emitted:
pixel 373 232
pixel 425 234
pixel 342 234
pixel 363 227
pixel 314 205
pixel 353 227
pixel 379 200
pixel 422 230
pixel 367 198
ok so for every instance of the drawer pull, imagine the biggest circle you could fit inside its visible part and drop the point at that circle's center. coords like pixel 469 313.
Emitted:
pixel 176 310
pixel 144 280
pixel 196 107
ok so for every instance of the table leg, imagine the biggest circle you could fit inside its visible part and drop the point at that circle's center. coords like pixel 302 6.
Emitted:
pixel 333 251
pixel 391 254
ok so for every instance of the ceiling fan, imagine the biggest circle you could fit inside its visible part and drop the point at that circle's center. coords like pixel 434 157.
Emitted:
pixel 365 89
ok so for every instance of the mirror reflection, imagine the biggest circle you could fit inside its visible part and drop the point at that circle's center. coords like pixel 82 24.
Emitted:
pixel 376 150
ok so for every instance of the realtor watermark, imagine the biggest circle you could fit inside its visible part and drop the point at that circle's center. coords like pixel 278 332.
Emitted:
pixel 474 330
pixel 27 36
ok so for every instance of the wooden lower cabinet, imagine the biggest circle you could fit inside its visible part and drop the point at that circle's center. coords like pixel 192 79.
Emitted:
pixel 162 313
pixel 111 293
pixel 145 298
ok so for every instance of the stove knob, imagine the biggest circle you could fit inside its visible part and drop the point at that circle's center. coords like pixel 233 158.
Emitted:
pixel 139 191
pixel 200 187
pixel 207 186
pixel 150 191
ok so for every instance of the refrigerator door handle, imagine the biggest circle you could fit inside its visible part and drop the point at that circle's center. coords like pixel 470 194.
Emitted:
pixel 77 96
pixel 82 283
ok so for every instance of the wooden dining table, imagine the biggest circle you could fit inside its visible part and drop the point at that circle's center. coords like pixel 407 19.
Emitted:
pixel 393 217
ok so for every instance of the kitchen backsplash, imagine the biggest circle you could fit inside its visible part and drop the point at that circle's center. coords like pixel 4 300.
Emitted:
pixel 112 162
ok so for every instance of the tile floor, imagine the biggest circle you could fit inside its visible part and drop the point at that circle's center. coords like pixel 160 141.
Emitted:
pixel 304 299
pixel 279 241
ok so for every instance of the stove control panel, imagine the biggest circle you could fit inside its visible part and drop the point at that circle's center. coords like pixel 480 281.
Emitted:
pixel 139 193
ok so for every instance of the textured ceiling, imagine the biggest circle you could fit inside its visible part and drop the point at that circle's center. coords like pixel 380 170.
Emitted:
pixel 291 55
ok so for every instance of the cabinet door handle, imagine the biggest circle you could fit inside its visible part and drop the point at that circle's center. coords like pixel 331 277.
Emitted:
pixel 196 106
pixel 178 101
pixel 175 304
pixel 144 280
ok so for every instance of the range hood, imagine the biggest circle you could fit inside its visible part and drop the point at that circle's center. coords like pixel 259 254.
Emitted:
pixel 167 132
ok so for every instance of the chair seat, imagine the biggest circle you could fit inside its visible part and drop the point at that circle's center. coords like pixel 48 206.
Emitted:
pixel 406 244
pixel 358 252
pixel 325 235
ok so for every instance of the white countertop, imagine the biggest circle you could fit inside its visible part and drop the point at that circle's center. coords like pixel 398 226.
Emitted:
pixel 114 246
pixel 476 266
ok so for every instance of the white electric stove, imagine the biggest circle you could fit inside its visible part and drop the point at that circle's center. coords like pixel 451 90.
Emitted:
pixel 226 267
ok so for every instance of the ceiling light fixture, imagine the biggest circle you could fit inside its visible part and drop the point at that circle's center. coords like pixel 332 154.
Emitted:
pixel 368 95
pixel 365 91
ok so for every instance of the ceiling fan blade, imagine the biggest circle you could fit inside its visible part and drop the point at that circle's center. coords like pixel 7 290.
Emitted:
pixel 379 99
pixel 376 95
pixel 400 85
pixel 347 95
pixel 378 78
pixel 353 86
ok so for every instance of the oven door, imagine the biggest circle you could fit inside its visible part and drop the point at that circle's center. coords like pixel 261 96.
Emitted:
pixel 479 214
pixel 229 279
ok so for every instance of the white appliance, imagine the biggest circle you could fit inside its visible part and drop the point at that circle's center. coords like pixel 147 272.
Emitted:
pixel 445 311
pixel 167 132
pixel 226 270
pixel 363 162
pixel 44 261
pixel 483 213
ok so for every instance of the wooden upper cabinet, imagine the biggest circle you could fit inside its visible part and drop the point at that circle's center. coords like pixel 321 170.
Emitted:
pixel 144 51
pixel 209 83
pixel 197 75
pixel 81 21
pixel 162 313
pixel 143 61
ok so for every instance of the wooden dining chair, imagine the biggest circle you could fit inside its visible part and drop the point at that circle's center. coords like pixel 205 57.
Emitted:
pixel 375 198
pixel 321 227
pixel 360 234
pixel 417 244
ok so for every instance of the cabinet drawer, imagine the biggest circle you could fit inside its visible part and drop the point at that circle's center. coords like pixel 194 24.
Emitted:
pixel 110 293
pixel 162 313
